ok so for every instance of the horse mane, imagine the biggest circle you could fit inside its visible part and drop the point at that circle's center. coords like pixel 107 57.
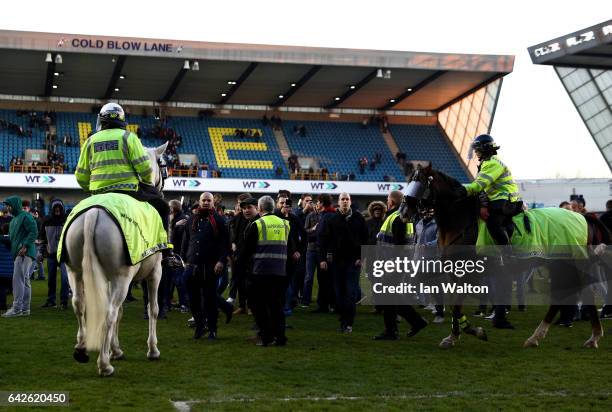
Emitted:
pixel 451 181
pixel 463 213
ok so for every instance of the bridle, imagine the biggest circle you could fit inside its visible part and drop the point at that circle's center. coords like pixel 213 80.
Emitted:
pixel 162 171
pixel 421 193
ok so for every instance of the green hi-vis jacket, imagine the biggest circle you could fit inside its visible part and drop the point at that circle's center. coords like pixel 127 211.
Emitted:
pixel 113 159
pixel 495 179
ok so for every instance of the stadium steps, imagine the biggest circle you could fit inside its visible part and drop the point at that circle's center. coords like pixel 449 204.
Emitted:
pixel 391 143
pixel 282 144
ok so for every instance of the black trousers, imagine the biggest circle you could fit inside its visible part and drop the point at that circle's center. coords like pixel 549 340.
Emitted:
pixel 325 294
pixel 407 312
pixel 496 222
pixel 267 295
pixel 202 291
pixel 238 287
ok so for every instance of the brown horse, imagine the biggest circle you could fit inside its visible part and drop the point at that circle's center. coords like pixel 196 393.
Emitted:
pixel 457 220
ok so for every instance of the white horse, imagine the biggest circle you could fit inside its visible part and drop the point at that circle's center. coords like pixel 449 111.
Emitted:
pixel 100 273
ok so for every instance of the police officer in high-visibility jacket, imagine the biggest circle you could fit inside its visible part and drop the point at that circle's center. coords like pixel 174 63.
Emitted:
pixel 114 160
pixel 499 200
pixel 265 249
pixel 499 194
pixel 396 232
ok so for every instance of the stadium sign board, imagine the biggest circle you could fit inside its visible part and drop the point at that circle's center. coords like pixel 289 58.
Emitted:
pixel 183 184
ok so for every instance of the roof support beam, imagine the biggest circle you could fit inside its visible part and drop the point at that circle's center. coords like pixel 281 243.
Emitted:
pixel 412 90
pixel 174 85
pixel 311 72
pixel 352 90
pixel 50 74
pixel 472 90
pixel 112 83
pixel 238 83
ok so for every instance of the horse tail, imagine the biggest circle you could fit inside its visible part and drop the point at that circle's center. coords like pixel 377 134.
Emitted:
pixel 527 223
pixel 601 234
pixel 95 285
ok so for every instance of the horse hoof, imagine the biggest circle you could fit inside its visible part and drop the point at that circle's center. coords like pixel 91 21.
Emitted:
pixel 591 344
pixel 153 356
pixel 119 356
pixel 109 371
pixel 448 342
pixel 481 334
pixel 531 343
pixel 80 355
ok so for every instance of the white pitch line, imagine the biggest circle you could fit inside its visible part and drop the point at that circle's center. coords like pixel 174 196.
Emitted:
pixel 185 406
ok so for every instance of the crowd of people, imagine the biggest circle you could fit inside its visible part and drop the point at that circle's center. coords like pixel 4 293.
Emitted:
pixel 247 133
pixel 224 253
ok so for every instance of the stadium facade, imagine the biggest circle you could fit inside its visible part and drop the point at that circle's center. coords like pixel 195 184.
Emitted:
pixel 435 103
pixel 583 62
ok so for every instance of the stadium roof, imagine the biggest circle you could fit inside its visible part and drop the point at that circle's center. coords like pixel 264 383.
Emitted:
pixel 583 62
pixel 101 67
pixel 587 48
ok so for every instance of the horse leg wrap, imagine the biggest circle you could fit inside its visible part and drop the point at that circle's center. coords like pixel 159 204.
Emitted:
pixel 464 324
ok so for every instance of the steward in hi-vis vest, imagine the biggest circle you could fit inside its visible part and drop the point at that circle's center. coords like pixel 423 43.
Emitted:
pixel 266 245
pixel 386 235
pixel 114 160
pixel 396 232
pixel 495 187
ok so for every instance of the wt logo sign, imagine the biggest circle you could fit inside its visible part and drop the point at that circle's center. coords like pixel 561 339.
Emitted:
pixel 39 179
pixel 185 183
pixel 323 186
pixel 388 187
pixel 252 184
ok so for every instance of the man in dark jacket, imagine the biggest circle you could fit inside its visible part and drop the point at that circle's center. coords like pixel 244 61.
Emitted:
pixel 41 250
pixel 49 236
pixel 22 234
pixel 312 252
pixel 297 248
pixel 376 210
pixel 340 253
pixel 206 247
pixel 606 219
pixel 238 283
pixel 305 207
pixel 176 228
pixel 325 296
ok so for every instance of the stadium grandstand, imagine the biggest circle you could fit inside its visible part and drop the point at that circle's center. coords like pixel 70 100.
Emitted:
pixel 583 62
pixel 249 116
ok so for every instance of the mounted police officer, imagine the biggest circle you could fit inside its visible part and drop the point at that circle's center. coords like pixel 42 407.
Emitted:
pixel 494 185
pixel 114 160
pixel 500 200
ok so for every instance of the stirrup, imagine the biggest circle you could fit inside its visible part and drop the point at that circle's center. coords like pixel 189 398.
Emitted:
pixel 173 261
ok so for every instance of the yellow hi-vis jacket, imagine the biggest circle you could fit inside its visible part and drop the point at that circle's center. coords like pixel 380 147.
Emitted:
pixel 495 179
pixel 113 159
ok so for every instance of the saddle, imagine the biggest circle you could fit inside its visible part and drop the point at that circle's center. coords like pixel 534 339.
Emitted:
pixel 140 224
pixel 545 232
